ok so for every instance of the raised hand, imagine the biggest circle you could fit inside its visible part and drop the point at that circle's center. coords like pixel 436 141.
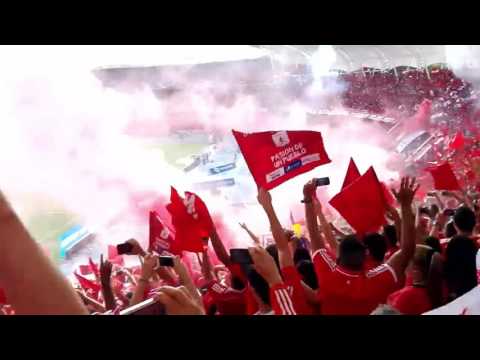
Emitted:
pixel 136 248
pixel 309 190
pixel 105 271
pixel 405 194
pixel 265 265
pixel 149 264
pixel 178 301
pixel 318 205
pixel 264 198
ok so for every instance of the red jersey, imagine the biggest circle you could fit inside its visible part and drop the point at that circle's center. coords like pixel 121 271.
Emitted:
pixel 281 301
pixel 343 292
pixel 293 283
pixel 410 300
pixel 390 252
pixel 227 300
pixel 371 263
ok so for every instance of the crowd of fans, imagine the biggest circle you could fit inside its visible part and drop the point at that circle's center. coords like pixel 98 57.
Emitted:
pixel 422 258
pixel 404 88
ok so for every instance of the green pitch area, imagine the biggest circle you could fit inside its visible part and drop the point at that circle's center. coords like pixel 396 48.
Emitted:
pixel 47 220
pixel 174 152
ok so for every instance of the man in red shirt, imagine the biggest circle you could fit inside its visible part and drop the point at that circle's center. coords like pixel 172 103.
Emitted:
pixel 414 299
pixel 345 287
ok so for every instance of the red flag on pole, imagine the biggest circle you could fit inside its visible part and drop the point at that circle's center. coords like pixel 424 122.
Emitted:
pixel 191 220
pixel 87 284
pixel 274 157
pixel 443 177
pixel 362 204
pixel 161 237
pixel 352 174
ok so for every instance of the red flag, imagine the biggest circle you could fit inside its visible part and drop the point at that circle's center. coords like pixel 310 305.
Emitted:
pixel 362 204
pixel 93 267
pixel 458 142
pixel 443 177
pixel 3 297
pixel 161 237
pixel 274 157
pixel 352 174
pixel 191 220
pixel 387 195
pixel 84 269
pixel 87 284
pixel 113 256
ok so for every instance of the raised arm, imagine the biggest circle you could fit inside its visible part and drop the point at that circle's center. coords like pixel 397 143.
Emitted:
pixel 284 255
pixel 393 215
pixel 32 283
pixel 254 237
pixel 325 226
pixel 337 231
pixel 400 260
pixel 280 299
pixel 105 281
pixel 219 248
pixel 310 216
pixel 206 266
pixel 148 266
pixel 185 279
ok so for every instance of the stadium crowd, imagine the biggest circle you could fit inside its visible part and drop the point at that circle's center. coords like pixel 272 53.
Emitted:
pixel 424 256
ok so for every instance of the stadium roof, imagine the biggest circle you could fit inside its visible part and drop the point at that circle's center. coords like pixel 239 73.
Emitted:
pixel 353 57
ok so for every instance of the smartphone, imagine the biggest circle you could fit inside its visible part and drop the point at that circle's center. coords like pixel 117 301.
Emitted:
pixel 147 307
pixel 322 181
pixel 165 261
pixel 240 256
pixel 125 248
pixel 448 212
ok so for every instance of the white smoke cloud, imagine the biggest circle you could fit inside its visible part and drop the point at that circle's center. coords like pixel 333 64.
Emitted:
pixel 64 134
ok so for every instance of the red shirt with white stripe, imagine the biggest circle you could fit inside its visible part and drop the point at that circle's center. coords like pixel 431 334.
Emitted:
pixel 390 252
pixel 343 292
pixel 371 263
pixel 293 283
pixel 281 301
pixel 228 301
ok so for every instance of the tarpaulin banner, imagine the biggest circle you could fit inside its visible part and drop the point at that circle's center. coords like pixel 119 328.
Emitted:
pixel 274 157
